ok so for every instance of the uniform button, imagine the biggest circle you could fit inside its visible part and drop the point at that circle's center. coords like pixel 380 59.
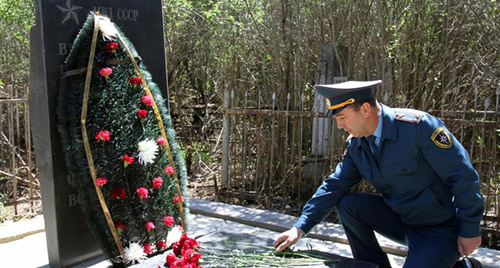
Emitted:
pixel 404 170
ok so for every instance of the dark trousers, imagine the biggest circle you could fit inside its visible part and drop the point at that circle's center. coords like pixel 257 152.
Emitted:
pixel 428 246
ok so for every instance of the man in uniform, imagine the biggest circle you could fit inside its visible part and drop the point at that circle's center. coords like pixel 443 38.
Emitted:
pixel 429 191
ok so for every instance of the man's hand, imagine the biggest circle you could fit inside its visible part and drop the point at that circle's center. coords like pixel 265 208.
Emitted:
pixel 286 239
pixel 467 245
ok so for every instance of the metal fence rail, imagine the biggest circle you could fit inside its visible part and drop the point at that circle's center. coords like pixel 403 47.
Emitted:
pixel 18 178
pixel 269 153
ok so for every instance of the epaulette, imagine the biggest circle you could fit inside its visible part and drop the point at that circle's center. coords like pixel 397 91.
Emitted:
pixel 409 115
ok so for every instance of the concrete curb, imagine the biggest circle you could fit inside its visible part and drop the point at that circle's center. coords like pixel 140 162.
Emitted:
pixel 12 231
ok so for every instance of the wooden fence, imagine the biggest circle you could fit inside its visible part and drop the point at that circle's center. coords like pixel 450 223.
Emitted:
pixel 268 156
pixel 19 187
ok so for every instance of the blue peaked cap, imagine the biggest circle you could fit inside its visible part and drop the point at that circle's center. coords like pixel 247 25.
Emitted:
pixel 338 96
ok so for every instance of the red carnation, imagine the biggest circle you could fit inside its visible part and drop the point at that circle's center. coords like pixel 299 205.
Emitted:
pixel 169 220
pixel 161 141
pixel 103 135
pixel 161 245
pixel 147 248
pixel 176 199
pixel 168 170
pixel 185 243
pixel 142 113
pixel 100 181
pixel 147 100
pixel 106 72
pixel 111 47
pixel 117 193
pixel 149 226
pixel 134 81
pixel 171 259
pixel 120 226
pixel 157 182
pixel 127 160
pixel 142 192
pixel 187 249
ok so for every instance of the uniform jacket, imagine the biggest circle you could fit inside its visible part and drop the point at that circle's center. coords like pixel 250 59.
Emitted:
pixel 423 173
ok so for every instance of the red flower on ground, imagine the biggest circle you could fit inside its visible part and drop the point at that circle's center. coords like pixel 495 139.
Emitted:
pixel 188 251
pixel 147 248
pixel 168 170
pixel 120 226
pixel 161 141
pixel 111 47
pixel 142 192
pixel 191 255
pixel 169 220
pixel 100 181
pixel 150 226
pixel 127 160
pixel 134 81
pixel 117 193
pixel 142 113
pixel 103 135
pixel 147 100
pixel 171 259
pixel 161 245
pixel 157 182
pixel 176 199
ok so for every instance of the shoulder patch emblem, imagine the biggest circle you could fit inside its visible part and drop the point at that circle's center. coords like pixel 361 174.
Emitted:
pixel 441 138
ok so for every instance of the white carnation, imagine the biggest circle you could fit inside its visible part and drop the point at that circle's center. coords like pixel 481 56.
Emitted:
pixel 174 235
pixel 107 28
pixel 134 253
pixel 147 151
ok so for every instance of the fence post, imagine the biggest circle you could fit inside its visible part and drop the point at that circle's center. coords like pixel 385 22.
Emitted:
pixel 226 124
pixel 329 71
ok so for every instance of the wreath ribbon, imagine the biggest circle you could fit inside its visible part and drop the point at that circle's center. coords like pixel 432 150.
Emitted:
pixel 160 126
pixel 85 138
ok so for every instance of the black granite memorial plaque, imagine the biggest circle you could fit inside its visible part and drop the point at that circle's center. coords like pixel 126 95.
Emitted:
pixel 69 239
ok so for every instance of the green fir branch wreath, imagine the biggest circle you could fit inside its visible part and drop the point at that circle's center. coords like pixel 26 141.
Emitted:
pixel 119 140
